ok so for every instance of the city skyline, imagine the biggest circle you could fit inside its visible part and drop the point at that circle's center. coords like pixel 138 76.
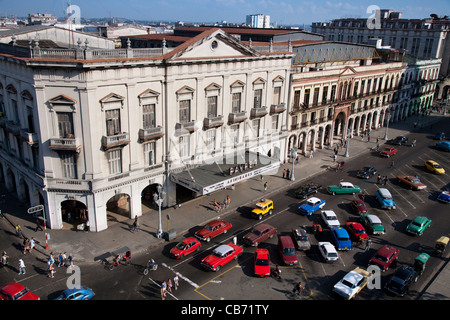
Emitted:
pixel 285 12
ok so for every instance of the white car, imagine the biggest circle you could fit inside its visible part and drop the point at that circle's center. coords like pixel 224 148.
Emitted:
pixel 352 283
pixel 330 218
pixel 328 252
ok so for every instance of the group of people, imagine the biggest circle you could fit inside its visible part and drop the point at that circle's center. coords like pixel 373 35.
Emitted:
pixel 167 286
pixel 382 180
pixel 220 206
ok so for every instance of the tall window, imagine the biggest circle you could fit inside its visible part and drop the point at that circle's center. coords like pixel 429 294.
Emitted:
pixel 149 153
pixel 276 95
pixel 324 95
pixel 316 96
pixel 275 122
pixel 185 111
pixel 236 102
pixel 255 127
pixel 212 106
pixel 69 165
pixel 115 161
pixel 234 134
pixel 297 99
pixel 112 122
pixel 306 97
pixel 65 124
pixel 184 146
pixel 148 116
pixel 257 100
pixel 15 111
pixel 210 140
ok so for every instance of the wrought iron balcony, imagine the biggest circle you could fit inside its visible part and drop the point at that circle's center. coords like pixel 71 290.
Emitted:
pixel 237 117
pixel 188 126
pixel 258 112
pixel 277 108
pixel 65 144
pixel 212 122
pixel 151 133
pixel 117 140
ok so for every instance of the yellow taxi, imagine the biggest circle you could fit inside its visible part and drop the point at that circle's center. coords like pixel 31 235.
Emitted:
pixel 434 167
pixel 263 207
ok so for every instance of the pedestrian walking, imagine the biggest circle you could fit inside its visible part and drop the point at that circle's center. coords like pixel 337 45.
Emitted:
pixel 5 258
pixel 385 180
pixel 379 179
pixel 38 225
pixel 296 160
pixel 169 285
pixel 26 245
pixel 334 158
pixel 368 242
pixel 22 269
pixel 61 261
pixel 32 244
pixel 378 139
pixel 392 164
pixel 368 138
pixel 284 173
pixel 262 177
pixel 70 261
pixel 163 293
pixel 288 173
pixel 175 282
pixel 19 231
pixel 265 186
pixel 311 154
pixel 50 269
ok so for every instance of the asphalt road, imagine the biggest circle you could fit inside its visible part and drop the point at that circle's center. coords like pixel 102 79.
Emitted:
pixel 236 281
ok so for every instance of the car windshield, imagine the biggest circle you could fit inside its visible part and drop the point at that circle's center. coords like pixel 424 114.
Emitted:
pixel 289 251
pixel 415 181
pixel 331 218
pixel 417 224
pixel 348 283
pixel 257 232
pixel 181 245
pixel 208 227
pixel 302 238
pixel 332 255
pixel 359 204
pixel 262 262
pixel 437 166
pixel 381 258
pixel 359 231
pixel 20 294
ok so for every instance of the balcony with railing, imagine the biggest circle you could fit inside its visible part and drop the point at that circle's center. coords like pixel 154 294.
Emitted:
pixel 65 144
pixel 117 140
pixel 188 126
pixel 151 133
pixel 212 122
pixel 237 117
pixel 258 112
pixel 277 108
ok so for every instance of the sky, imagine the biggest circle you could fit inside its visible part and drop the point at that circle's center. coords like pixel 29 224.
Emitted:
pixel 281 12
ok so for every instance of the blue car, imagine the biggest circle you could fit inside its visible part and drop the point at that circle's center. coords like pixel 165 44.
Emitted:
pixel 79 293
pixel 444 197
pixel 311 205
pixel 384 197
pixel 439 136
pixel 443 145
pixel 341 238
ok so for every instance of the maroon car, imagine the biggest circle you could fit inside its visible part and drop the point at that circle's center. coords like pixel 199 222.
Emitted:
pixel 384 257
pixel 358 206
pixel 212 229
pixel 259 234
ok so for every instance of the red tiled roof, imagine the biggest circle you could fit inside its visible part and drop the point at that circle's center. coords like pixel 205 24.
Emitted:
pixel 242 30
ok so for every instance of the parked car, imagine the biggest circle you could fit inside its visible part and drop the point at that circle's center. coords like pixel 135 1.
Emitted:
pixel 439 136
pixel 330 218
pixel 400 140
pixel 287 250
pixel 356 231
pixel 81 293
pixel 343 188
pixel 401 280
pixel 264 207
pixel 301 239
pixel 307 190
pixel 388 152
pixel 384 197
pixel 16 291
pixel 262 262
pixel 258 234
pixel 221 255
pixel 444 197
pixel 352 283
pixel 372 224
pixel 384 257
pixel 418 225
pixel 358 206
pixel 434 167
pixel 311 205
pixel 412 182
pixel 328 252
pixel 212 229
pixel 341 238
pixel 366 172
pixel 185 247
pixel 443 145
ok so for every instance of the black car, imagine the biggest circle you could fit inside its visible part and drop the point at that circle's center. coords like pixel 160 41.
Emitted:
pixel 307 190
pixel 366 172
pixel 401 280
pixel 400 140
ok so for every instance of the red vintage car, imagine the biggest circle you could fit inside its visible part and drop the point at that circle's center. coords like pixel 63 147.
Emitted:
pixel 212 229
pixel 16 291
pixel 221 256
pixel 185 247
pixel 358 206
pixel 259 234
pixel 262 262
pixel 389 151
pixel 356 231
pixel 384 257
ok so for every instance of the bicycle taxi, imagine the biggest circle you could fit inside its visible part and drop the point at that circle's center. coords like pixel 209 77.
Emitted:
pixel 420 262
pixel 441 244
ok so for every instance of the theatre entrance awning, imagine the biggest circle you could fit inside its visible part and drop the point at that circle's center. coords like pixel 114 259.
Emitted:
pixel 230 170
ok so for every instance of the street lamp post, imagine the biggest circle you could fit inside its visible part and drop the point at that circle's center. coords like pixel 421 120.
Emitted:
pixel 347 144
pixel 293 156
pixel 159 198
pixel 387 126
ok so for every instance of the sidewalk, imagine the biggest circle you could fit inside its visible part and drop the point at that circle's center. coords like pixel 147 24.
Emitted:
pixel 88 247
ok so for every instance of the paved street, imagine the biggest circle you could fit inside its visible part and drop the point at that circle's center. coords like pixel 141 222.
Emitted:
pixel 237 281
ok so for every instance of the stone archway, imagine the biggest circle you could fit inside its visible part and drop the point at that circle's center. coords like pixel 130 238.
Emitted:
pixel 73 213
pixel 147 197
pixel 118 208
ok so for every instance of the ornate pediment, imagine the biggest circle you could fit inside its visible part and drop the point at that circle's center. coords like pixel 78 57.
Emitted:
pixel 112 101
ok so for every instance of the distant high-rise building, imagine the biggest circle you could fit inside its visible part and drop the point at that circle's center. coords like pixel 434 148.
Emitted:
pixel 258 21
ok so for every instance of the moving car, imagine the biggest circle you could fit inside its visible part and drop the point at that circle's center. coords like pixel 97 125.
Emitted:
pixel 307 190
pixel 287 250
pixel 264 207
pixel 412 181
pixel 352 283
pixel 356 231
pixel 443 145
pixel 330 218
pixel 372 224
pixel 444 197
pixel 301 239
pixel 388 152
pixel 401 280
pixel 358 206
pixel 212 229
pixel 341 238
pixel 439 136
pixel 328 252
pixel 384 257
pixel 259 234
pixel 366 172
pixel 81 293
pixel 16 291
pixel 262 263
pixel 221 255
pixel 418 225
pixel 311 205
pixel 185 247
pixel 384 197
pixel 343 188
pixel 434 167
pixel 400 140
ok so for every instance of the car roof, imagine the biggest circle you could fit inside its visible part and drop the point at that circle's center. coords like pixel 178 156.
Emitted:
pixel 264 201
pixel 328 246
pixel 222 249
pixel 328 212
pixel 313 199
pixel 300 231
pixel 262 226
pixel 12 288
pixel 286 241
pixel 420 219
pixel 373 218
pixel 384 193
pixel 347 184
pixel 385 250
pixel 340 231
